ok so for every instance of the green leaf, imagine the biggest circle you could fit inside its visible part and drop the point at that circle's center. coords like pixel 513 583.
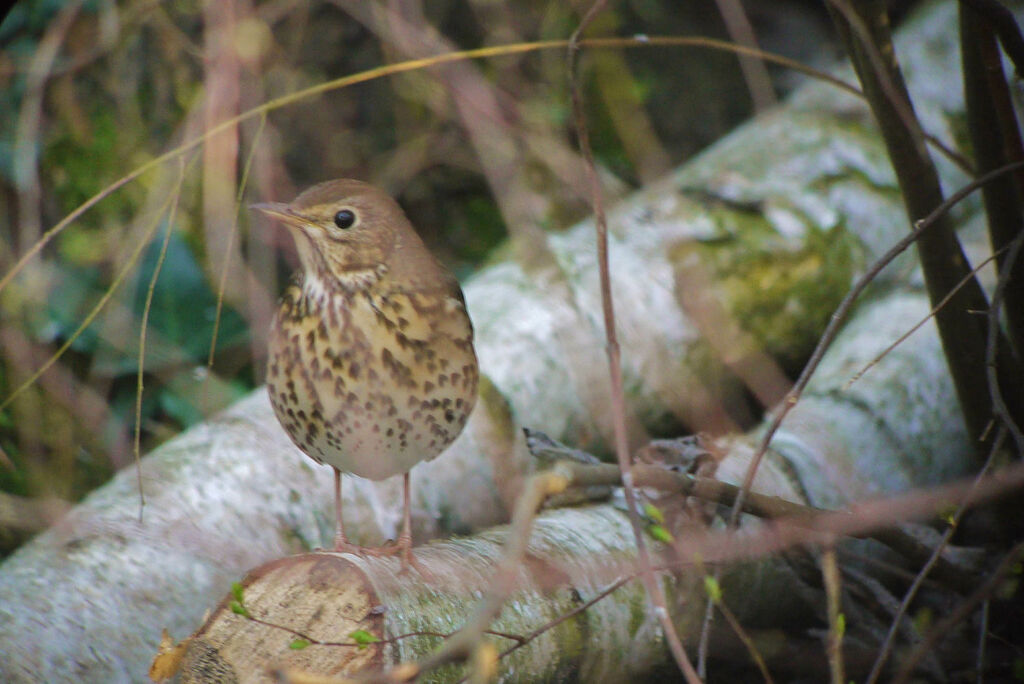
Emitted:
pixel 654 513
pixel 660 533
pixel 363 638
pixel 841 625
pixel 238 591
pixel 948 514
pixel 181 314
pixel 713 589
pixel 239 609
pixel 298 644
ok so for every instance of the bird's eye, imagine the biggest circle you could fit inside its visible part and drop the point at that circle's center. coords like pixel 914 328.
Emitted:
pixel 345 218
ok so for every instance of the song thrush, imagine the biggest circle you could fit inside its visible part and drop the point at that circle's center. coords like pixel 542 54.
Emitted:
pixel 371 365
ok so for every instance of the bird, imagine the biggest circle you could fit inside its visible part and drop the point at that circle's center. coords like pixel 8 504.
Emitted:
pixel 371 367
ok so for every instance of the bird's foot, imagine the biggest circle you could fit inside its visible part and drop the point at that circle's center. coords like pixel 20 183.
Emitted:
pixel 403 547
pixel 343 546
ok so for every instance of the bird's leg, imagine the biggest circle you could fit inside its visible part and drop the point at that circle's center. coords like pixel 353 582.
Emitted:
pixel 403 545
pixel 340 540
pixel 405 538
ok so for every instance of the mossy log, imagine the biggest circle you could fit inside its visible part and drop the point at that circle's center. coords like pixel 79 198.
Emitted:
pixel 838 448
pixel 775 221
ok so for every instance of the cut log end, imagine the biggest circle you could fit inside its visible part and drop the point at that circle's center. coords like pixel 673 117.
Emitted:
pixel 316 598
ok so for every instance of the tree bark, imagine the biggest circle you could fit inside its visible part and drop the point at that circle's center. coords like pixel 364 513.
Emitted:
pixel 827 454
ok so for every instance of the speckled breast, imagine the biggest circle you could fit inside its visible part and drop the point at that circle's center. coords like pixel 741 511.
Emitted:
pixel 371 383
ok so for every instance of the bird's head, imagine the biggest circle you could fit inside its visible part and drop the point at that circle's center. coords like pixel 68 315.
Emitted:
pixel 347 232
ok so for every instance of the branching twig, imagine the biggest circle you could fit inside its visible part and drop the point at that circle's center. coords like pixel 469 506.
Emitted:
pixel 843 310
pixel 654 590
pixel 943 627
pixel 462 644
pixel 867 34
pixel 999 407
pixel 1005 25
pixel 890 637
pixel 917 326
pixel 831 330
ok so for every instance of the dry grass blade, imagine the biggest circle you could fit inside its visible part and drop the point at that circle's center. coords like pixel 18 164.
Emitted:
pixel 143 324
pixel 243 184
pixel 91 316
pixel 415 64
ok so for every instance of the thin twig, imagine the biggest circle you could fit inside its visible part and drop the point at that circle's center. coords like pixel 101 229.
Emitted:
pixel 578 610
pixel 839 317
pixel 834 597
pixel 759 82
pixel 831 330
pixel 979 664
pixel 998 404
pixel 943 627
pixel 748 643
pixel 461 645
pixel 883 71
pixel 931 314
pixel 890 637
pixel 867 34
pixel 654 590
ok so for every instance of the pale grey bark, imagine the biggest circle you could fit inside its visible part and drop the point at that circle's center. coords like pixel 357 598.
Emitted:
pixel 780 216
pixel 838 447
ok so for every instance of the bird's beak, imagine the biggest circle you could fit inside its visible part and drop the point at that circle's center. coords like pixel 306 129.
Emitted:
pixel 281 212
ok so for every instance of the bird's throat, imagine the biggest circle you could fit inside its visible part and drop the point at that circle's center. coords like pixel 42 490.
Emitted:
pixel 317 286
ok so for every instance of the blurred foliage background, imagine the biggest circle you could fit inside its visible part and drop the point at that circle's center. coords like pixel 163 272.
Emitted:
pixel 476 152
